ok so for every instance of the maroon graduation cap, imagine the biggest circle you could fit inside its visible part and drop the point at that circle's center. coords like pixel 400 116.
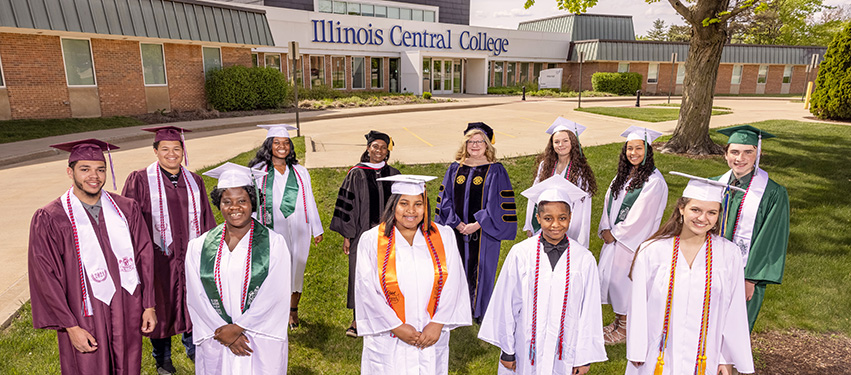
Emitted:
pixel 171 133
pixel 89 149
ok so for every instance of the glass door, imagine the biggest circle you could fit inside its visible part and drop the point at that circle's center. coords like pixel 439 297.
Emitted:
pixel 394 75
pixel 426 75
pixel 456 77
pixel 436 77
pixel 443 76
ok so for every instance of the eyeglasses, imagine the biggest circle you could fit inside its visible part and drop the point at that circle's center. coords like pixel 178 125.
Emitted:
pixel 471 142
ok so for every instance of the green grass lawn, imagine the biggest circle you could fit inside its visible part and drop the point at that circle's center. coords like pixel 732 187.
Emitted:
pixel 642 113
pixel 810 159
pixel 677 105
pixel 22 130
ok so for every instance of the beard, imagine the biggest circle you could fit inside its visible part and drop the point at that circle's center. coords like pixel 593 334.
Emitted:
pixel 79 187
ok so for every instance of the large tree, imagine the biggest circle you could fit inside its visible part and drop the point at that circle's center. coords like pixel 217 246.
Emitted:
pixel 788 22
pixel 708 20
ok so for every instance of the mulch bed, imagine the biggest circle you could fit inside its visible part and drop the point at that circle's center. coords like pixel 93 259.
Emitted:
pixel 802 353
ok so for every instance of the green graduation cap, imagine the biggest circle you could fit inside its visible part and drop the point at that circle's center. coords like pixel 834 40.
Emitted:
pixel 745 135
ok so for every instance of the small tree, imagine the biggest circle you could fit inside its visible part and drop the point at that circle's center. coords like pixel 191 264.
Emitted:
pixel 832 97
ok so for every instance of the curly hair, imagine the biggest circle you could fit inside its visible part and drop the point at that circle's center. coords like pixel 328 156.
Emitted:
pixel 462 154
pixel 579 167
pixel 641 175
pixel 216 197
pixel 264 154
pixel 364 158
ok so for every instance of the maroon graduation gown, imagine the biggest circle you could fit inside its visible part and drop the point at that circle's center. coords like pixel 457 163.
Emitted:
pixel 56 296
pixel 169 271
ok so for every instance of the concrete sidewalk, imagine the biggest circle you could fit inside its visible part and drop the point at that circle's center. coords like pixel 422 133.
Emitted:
pixel 423 133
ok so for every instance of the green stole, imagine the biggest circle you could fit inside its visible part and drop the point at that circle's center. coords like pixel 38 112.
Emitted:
pixel 210 258
pixel 289 199
pixel 628 201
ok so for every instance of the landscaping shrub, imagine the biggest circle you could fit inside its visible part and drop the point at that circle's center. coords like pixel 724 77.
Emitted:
pixel 832 96
pixel 237 88
pixel 426 95
pixel 616 83
pixel 514 89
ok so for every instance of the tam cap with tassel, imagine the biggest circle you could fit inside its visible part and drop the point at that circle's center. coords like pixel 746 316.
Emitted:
pixel 89 149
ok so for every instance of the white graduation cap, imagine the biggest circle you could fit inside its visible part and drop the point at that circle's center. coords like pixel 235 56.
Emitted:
pixel 638 132
pixel 705 189
pixel 232 175
pixel 562 124
pixel 278 130
pixel 554 189
pixel 407 184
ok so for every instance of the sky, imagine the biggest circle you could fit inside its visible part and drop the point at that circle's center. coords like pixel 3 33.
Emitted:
pixel 508 13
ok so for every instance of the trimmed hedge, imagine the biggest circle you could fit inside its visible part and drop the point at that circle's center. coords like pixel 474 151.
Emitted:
pixel 237 88
pixel 616 83
pixel 832 96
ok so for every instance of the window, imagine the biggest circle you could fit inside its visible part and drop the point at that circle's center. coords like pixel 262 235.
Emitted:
pixel 428 16
pixel 377 73
pixel 623 67
pixel 358 73
pixel 212 59
pixel 367 10
pixel 340 7
pixel 681 73
pixel 317 71
pixel 737 75
pixel 393 12
pixel 353 9
pixel 153 64
pixel 326 6
pixel 497 74
pixel 381 11
pixel 652 73
pixel 524 72
pixel 763 72
pixel 510 72
pixel 273 61
pixel 537 69
pixel 787 75
pixel 404 14
pixel 79 68
pixel 338 72
pixel 255 60
pixel 551 65
pixel 2 82
pixel 417 14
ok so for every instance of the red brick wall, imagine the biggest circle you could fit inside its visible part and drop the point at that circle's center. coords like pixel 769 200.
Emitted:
pixel 34 76
pixel 665 83
pixel 185 70
pixel 749 75
pixel 640 68
pixel 774 79
pixel 236 56
pixel 121 86
pixel 722 81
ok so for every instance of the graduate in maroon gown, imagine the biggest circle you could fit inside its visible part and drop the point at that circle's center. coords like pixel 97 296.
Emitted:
pixel 174 204
pixel 90 270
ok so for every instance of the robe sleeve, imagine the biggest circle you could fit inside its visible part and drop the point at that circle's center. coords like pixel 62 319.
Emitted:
pixel 636 326
pixel 590 337
pixel 345 220
pixel 271 307
pixel 735 337
pixel 47 276
pixel 530 205
pixel 313 219
pixel 499 216
pixel 445 212
pixel 504 313
pixel 205 320
pixel 645 215
pixel 374 315
pixel 144 254
pixel 208 219
pixel 454 308
pixel 767 257
pixel 133 187
pixel 605 223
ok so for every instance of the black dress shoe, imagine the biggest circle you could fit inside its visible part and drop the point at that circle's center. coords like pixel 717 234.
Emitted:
pixel 165 367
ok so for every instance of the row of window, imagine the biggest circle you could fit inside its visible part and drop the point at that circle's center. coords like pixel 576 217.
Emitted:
pixel 517 72
pixel 316 66
pixel 736 79
pixel 371 10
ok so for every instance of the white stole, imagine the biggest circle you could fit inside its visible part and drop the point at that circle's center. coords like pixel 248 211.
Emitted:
pixel 743 233
pixel 161 230
pixel 90 253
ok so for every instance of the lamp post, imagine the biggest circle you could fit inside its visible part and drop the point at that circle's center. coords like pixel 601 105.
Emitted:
pixel 293 55
pixel 673 68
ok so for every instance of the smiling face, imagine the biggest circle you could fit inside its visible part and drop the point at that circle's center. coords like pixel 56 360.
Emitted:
pixel 554 218
pixel 89 177
pixel 740 158
pixel 377 151
pixel 236 207
pixel 635 151
pixel 476 146
pixel 410 211
pixel 280 148
pixel 699 216
pixel 561 143
pixel 170 155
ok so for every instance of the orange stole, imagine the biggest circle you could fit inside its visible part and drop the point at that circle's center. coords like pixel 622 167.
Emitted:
pixel 390 282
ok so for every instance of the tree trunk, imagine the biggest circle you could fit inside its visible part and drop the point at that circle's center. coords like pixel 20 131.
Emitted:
pixel 691 136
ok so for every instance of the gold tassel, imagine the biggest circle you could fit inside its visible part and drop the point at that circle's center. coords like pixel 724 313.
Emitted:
pixel 701 365
pixel 493 139
pixel 660 363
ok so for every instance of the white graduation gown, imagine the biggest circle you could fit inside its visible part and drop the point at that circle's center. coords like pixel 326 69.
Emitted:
pixel 508 322
pixel 641 222
pixel 728 340
pixel 297 230
pixel 580 218
pixel 265 321
pixel 383 354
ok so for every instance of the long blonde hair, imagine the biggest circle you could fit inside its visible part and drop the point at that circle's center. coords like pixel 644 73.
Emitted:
pixel 490 152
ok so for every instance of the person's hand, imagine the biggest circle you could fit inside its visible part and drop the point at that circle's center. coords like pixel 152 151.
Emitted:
pixel 407 334
pixel 637 364
pixel 749 288
pixel 471 228
pixel 240 347
pixel 509 365
pixel 318 239
pixel 581 370
pixel 227 334
pixel 429 336
pixel 529 233
pixel 725 369
pixel 460 227
pixel 607 236
pixel 82 340
pixel 149 320
pixel 346 245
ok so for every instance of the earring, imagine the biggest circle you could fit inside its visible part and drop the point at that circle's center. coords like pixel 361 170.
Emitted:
pixel 680 220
